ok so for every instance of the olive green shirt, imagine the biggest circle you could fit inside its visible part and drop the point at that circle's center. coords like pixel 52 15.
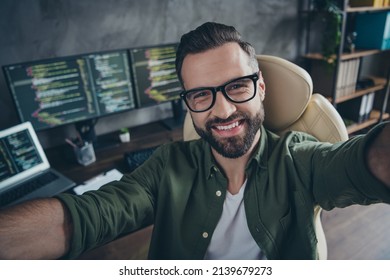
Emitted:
pixel 181 190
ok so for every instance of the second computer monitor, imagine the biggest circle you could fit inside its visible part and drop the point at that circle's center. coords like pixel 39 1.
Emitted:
pixel 155 79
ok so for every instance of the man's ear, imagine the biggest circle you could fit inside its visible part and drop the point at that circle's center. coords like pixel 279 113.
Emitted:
pixel 261 86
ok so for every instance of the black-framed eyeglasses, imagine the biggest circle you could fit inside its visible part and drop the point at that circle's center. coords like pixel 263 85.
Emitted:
pixel 239 90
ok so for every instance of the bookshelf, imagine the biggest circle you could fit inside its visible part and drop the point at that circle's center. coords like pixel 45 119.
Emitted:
pixel 373 119
pixel 344 56
pixel 351 72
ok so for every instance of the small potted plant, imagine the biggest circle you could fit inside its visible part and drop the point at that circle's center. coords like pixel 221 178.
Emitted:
pixel 124 135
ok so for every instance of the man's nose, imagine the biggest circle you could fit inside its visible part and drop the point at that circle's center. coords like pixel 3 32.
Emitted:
pixel 222 108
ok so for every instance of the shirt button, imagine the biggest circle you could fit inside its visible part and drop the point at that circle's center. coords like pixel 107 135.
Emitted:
pixel 215 169
pixel 205 235
pixel 218 193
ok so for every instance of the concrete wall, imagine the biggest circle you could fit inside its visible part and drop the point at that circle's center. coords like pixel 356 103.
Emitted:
pixel 40 29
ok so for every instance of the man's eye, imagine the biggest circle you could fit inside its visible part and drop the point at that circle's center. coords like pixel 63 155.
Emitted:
pixel 199 94
pixel 234 87
pixel 238 87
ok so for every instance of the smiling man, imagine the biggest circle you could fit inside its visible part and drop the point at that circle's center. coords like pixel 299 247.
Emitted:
pixel 239 192
pixel 228 116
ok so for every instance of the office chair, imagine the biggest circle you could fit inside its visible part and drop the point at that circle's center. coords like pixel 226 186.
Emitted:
pixel 290 105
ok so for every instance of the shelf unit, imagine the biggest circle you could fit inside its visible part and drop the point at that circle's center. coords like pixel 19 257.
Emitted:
pixel 380 85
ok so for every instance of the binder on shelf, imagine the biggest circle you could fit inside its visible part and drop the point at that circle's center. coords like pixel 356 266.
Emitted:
pixel 363 108
pixel 352 76
pixel 354 109
pixel 385 3
pixel 369 105
pixel 366 3
pixel 373 30
pixel 347 77
pixel 340 79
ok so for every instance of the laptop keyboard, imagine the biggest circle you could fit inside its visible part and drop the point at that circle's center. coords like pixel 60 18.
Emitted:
pixel 26 188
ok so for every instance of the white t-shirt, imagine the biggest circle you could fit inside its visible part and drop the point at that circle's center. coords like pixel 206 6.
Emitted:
pixel 231 239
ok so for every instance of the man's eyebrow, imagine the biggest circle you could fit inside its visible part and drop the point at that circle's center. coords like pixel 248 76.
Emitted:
pixel 206 87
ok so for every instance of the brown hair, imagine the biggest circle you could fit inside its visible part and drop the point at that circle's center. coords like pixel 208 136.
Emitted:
pixel 208 36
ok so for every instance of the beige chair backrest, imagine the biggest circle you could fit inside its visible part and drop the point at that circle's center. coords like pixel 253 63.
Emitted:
pixel 290 105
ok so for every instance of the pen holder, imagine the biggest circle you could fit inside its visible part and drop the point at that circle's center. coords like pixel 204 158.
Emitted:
pixel 85 154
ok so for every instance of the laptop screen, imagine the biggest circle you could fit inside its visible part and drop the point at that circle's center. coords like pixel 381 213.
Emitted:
pixel 21 154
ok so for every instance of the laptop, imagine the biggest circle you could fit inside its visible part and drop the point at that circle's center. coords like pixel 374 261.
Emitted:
pixel 25 172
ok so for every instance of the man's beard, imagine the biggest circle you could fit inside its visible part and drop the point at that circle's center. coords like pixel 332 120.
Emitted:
pixel 236 146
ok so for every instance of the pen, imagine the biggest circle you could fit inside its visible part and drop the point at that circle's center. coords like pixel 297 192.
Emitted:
pixel 70 143
pixel 81 142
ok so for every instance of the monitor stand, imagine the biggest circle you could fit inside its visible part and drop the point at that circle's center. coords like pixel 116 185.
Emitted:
pixel 86 131
pixel 178 115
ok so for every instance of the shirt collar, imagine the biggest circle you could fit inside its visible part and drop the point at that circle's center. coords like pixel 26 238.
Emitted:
pixel 260 156
pixel 211 164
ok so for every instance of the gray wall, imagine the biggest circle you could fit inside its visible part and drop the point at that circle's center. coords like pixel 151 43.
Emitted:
pixel 40 29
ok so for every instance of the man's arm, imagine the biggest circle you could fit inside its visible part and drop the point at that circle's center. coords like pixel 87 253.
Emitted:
pixel 378 156
pixel 38 229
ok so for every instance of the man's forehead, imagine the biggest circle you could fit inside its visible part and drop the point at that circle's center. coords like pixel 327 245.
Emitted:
pixel 215 66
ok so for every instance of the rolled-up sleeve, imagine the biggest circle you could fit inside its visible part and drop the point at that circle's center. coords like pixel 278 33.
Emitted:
pixel 115 209
pixel 339 173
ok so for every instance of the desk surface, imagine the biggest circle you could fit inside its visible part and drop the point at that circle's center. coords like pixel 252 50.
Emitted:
pixel 62 159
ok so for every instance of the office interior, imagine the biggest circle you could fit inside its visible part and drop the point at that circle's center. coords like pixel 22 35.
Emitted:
pixel 43 29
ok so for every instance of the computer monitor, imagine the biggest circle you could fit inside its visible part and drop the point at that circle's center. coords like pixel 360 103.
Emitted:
pixel 155 78
pixel 76 89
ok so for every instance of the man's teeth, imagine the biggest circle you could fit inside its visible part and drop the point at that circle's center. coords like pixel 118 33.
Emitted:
pixel 227 127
